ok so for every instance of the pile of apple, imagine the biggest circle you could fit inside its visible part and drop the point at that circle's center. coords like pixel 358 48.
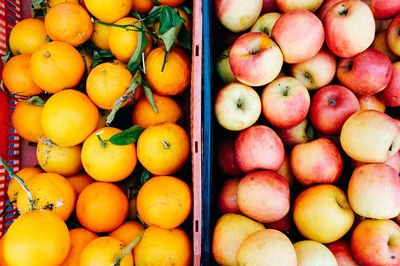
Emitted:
pixel 313 92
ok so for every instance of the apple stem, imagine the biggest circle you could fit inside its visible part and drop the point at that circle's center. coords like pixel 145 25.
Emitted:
pixel 307 75
pixel 332 102
pixel 239 102
pixel 343 10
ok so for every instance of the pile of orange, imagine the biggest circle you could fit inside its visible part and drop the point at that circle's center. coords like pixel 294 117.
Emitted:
pixel 78 191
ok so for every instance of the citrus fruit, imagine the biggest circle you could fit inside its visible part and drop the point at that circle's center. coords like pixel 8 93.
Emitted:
pixel 79 182
pixel 106 83
pixel 38 238
pixel 174 77
pixel 168 111
pixel 164 201
pixel 17 77
pixel 27 36
pixel 56 66
pixel 100 35
pixel 143 6
pixel 171 2
pixel 109 11
pixel 24 174
pixel 65 161
pixel 69 117
pixel 2 259
pixel 26 121
pixel 52 3
pixel 163 148
pixel 127 232
pixel 106 161
pixel 163 247
pixel 68 22
pixel 102 207
pixel 80 237
pixel 49 191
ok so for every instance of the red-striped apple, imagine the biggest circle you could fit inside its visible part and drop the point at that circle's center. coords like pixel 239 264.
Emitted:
pixel 393 161
pixel 342 252
pixel 391 94
pixel 371 102
pixel 392 35
pixel 226 158
pixel 227 198
pixel 287 5
pixel 385 9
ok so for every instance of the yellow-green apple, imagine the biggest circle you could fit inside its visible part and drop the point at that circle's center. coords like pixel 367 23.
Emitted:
pixel 380 44
pixel 374 191
pixel 264 196
pixel 330 108
pixel 229 232
pixel 285 102
pixel 393 161
pixel 227 198
pixel 267 247
pixel 371 102
pixel 316 72
pixel 226 158
pixel 265 23
pixel 259 147
pixel 392 35
pixel 284 225
pixel 385 9
pixel 349 28
pixel 376 242
pixel 301 133
pixel 224 69
pixel 313 253
pixel 370 136
pixel 322 213
pixel 317 161
pixel 269 6
pixel 255 59
pixel 237 15
pixel 286 172
pixel 300 35
pixel 237 106
pixel 367 73
pixel 391 94
pixel 287 5
pixel 342 252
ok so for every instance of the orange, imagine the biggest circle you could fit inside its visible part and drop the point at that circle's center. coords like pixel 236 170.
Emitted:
pixel 108 162
pixel 127 232
pixel 65 161
pixel 17 76
pixel 49 191
pixel 102 207
pixel 52 3
pixel 163 148
pixel 143 6
pixel 171 2
pixel 109 10
pixel 69 117
pixel 79 182
pixel 2 259
pixel 168 111
pixel 107 83
pixel 38 238
pixel 56 66
pixel 100 35
pixel 103 251
pixel 80 237
pixel 175 76
pixel 163 247
pixel 123 42
pixel 27 36
pixel 14 186
pixel 26 120
pixel 164 201
pixel 68 22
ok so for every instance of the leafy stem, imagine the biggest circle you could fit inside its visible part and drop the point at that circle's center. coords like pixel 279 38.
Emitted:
pixel 127 27
pixel 103 142
pixel 128 249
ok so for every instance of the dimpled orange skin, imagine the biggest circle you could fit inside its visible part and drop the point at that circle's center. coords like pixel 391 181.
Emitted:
pixel 49 191
pixel 27 36
pixel 127 232
pixel 26 120
pixel 69 117
pixel 109 11
pixel 143 6
pixel 171 2
pixel 79 182
pixel 100 35
pixel 80 237
pixel 14 186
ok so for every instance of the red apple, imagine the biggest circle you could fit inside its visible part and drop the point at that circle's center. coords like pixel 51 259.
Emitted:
pixel 384 9
pixel 342 252
pixel 286 172
pixel 392 35
pixel 300 35
pixel 371 102
pixel 284 225
pixel 227 199
pixel 226 158
pixel 264 196
pixel 330 108
pixel 380 44
pixel 391 94
pixel 265 23
pixel 259 147
pixel 269 6
pixel 285 102
pixel 255 59
pixel 326 6
pixel 393 161
pixel 287 5
pixel 301 133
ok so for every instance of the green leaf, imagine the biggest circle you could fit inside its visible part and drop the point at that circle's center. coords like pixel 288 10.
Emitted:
pixel 36 3
pixel 146 175
pixel 184 38
pixel 6 57
pixel 135 14
pixel 170 36
pixel 48 39
pixel 100 57
pixel 106 54
pixel 169 19
pixel 152 16
pixel 128 136
pixel 156 2
pixel 35 100
pixel 187 10
pixel 2 86
pixel 149 96
pixel 136 58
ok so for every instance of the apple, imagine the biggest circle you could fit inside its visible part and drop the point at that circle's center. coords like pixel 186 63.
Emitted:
pixel 237 106
pixel 325 7
pixel 286 172
pixel 371 102
pixel 392 35
pixel 317 161
pixel 238 15
pixel 259 147
pixel 229 232
pixel 393 161
pixel 285 102
pixel 310 253
pixel 227 199
pixel 342 252
pixel 301 133
pixel 288 5
pixel 385 9
pixel 376 242
pixel 316 72
pixel 267 247
pixel 330 108
pixel 349 28
pixel 380 44
pixel 265 23
pixel 226 158
pixel 374 191
pixel 269 6
pixel 284 225
pixel 322 213
pixel 224 69
pixel 264 196
pixel 391 94
pixel 367 73
pixel 370 136
pixel 300 35
pixel 255 59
